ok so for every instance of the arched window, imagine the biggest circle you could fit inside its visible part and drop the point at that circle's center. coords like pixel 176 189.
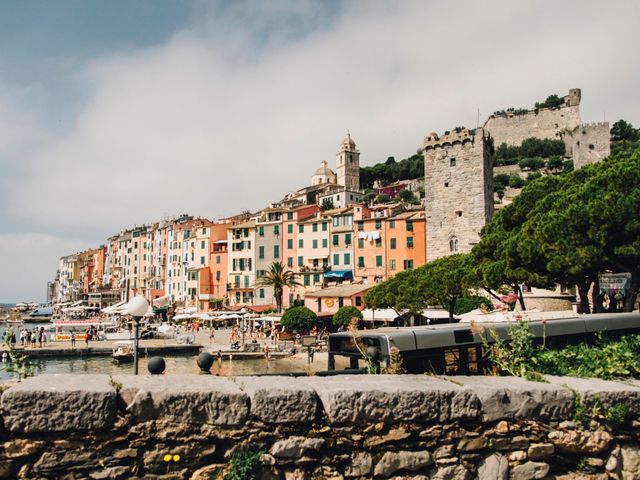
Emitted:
pixel 453 244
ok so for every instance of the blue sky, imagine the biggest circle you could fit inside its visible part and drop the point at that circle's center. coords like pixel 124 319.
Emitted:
pixel 116 113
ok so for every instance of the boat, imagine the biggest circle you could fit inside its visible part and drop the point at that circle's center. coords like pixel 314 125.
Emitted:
pixel 123 351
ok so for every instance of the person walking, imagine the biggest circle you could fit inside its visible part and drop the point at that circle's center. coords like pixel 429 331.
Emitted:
pixel 33 339
pixel 73 340
pixel 86 337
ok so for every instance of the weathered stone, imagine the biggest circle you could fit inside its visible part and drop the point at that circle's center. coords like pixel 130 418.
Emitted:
pixel 517 456
pixel 126 453
pixel 21 447
pixel 391 462
pixel 59 402
pixel 361 464
pixel 506 443
pixel 297 474
pixel 280 399
pixel 208 472
pixel 296 447
pixel 447 461
pixel 326 472
pixel 494 467
pixel 450 472
pixel 530 471
pixel 630 455
pixel 540 450
pixel 472 444
pixel 66 461
pixel 506 398
pixel 185 399
pixel 605 393
pixel 595 462
pixel 502 427
pixel 111 473
pixel 363 399
pixel 393 435
pixel 445 451
pixel 583 442
pixel 613 460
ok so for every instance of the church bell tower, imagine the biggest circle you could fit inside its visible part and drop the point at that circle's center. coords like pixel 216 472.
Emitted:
pixel 348 164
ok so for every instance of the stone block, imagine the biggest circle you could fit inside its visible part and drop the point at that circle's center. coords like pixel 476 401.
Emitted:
pixel 581 441
pixel 366 399
pixel 195 399
pixel 296 447
pixel 494 467
pixel 606 393
pixel 530 471
pixel 361 464
pixel 392 462
pixel 508 398
pixel 59 402
pixel 540 450
pixel 280 399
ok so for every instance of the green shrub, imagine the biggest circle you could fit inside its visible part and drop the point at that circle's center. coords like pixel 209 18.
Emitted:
pixel 298 318
pixel 516 181
pixel 552 101
pixel 466 304
pixel 344 315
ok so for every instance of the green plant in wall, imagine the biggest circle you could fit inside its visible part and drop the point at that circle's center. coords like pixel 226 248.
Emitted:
pixel 19 363
pixel 245 465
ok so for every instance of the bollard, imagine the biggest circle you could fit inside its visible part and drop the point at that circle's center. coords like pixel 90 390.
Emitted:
pixel 205 361
pixel 156 365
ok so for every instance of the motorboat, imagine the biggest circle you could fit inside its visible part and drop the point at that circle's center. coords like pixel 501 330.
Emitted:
pixel 123 351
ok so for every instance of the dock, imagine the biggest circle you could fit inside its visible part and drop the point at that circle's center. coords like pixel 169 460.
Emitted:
pixel 104 350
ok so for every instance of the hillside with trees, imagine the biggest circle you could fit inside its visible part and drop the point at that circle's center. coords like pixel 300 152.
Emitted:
pixel 391 171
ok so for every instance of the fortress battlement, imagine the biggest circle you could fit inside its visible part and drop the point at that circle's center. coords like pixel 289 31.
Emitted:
pixel 460 135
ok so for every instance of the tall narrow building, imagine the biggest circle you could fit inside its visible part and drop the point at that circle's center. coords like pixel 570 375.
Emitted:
pixel 459 191
pixel 348 163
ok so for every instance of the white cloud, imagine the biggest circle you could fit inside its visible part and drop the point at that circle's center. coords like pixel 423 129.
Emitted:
pixel 211 122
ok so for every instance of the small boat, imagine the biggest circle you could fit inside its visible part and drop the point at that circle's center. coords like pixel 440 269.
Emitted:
pixel 123 351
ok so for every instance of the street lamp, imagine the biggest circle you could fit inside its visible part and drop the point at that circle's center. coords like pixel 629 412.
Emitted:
pixel 136 307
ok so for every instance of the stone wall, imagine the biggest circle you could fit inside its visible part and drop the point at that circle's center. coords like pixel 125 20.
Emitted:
pixel 588 143
pixel 543 123
pixel 458 191
pixel 410 426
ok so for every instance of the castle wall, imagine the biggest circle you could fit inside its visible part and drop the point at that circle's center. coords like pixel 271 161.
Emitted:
pixel 546 123
pixel 588 143
pixel 459 192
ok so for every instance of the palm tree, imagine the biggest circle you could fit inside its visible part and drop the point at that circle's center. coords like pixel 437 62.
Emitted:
pixel 278 278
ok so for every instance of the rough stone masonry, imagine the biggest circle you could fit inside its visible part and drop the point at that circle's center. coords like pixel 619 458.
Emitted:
pixel 354 427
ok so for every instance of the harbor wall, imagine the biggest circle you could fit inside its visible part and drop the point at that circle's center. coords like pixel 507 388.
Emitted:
pixel 382 426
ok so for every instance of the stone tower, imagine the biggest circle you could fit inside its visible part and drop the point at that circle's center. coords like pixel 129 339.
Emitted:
pixel 348 162
pixel 459 190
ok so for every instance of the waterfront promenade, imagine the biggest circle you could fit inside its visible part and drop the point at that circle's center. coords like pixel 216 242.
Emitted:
pixel 220 342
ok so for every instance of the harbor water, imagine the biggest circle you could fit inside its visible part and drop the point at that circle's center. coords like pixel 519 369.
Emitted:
pixel 175 364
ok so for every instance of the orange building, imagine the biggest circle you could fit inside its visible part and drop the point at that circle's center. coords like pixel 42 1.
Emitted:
pixel 370 249
pixel 405 241
pixel 212 287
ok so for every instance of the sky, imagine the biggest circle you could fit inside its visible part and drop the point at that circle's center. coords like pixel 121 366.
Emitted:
pixel 116 113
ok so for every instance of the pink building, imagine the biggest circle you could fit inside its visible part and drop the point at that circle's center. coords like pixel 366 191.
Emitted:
pixel 327 301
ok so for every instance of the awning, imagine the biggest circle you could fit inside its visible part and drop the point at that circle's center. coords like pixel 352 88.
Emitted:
pixel 113 308
pixel 161 301
pixel 316 257
pixel 339 275
pixel 382 314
